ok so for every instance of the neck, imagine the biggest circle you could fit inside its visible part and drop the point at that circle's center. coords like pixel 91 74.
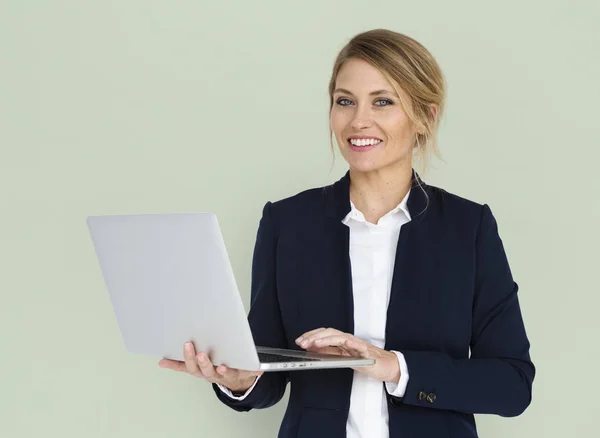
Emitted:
pixel 377 192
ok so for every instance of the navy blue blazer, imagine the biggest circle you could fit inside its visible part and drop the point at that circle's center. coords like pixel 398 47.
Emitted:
pixel 453 312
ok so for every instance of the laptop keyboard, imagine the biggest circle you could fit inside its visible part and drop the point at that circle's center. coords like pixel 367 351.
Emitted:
pixel 271 358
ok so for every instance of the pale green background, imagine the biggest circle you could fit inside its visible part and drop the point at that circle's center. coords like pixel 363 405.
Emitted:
pixel 113 107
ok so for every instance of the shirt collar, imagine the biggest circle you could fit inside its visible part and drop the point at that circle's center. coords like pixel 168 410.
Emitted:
pixel 337 198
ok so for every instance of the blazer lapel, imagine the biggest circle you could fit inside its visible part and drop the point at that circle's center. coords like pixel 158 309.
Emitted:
pixel 406 251
pixel 337 206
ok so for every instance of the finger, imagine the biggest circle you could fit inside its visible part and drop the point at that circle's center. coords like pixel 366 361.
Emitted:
pixel 328 350
pixel 308 335
pixel 222 370
pixel 331 341
pixel 189 354
pixel 317 334
pixel 174 365
pixel 344 342
pixel 226 375
pixel 206 367
pixel 334 338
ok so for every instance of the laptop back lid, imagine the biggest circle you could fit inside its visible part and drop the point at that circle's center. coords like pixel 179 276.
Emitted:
pixel 170 281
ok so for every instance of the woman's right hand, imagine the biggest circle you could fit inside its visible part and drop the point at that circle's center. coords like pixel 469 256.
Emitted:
pixel 199 365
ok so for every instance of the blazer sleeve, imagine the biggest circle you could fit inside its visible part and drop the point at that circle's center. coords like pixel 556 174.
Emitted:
pixel 264 319
pixel 498 377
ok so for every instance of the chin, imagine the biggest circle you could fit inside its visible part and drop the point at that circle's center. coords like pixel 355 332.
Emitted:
pixel 373 166
pixel 365 167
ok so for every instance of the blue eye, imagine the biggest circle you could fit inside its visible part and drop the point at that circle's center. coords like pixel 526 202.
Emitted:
pixel 389 102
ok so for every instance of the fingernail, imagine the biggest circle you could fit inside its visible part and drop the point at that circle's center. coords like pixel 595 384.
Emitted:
pixel 299 339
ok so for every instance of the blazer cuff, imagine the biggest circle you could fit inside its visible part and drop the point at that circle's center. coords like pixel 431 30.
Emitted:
pixel 398 390
pixel 236 397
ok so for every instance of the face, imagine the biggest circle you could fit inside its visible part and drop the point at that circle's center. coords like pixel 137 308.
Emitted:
pixel 365 106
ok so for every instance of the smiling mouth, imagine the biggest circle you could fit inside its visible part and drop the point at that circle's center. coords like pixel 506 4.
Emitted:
pixel 363 146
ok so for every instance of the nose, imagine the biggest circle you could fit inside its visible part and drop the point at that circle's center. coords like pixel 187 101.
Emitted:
pixel 361 119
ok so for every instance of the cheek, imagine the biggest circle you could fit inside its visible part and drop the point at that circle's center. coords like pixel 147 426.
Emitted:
pixel 338 125
pixel 336 121
pixel 398 129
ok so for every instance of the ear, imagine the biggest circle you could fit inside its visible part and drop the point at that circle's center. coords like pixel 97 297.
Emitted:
pixel 434 111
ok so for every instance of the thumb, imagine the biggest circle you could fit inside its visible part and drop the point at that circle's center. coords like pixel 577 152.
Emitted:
pixel 223 370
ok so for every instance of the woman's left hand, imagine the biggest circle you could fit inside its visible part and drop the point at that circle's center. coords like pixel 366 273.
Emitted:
pixel 332 341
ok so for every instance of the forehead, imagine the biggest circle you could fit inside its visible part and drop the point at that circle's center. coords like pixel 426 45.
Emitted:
pixel 358 75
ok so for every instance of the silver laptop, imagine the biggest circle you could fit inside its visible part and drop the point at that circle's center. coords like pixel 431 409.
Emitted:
pixel 170 281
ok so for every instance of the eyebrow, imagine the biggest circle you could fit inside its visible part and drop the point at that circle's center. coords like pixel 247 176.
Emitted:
pixel 372 93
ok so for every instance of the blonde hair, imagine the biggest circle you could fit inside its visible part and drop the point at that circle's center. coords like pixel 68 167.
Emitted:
pixel 409 67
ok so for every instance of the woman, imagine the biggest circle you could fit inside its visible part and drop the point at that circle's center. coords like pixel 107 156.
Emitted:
pixel 382 265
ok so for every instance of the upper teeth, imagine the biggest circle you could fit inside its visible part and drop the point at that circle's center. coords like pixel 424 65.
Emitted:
pixel 364 142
